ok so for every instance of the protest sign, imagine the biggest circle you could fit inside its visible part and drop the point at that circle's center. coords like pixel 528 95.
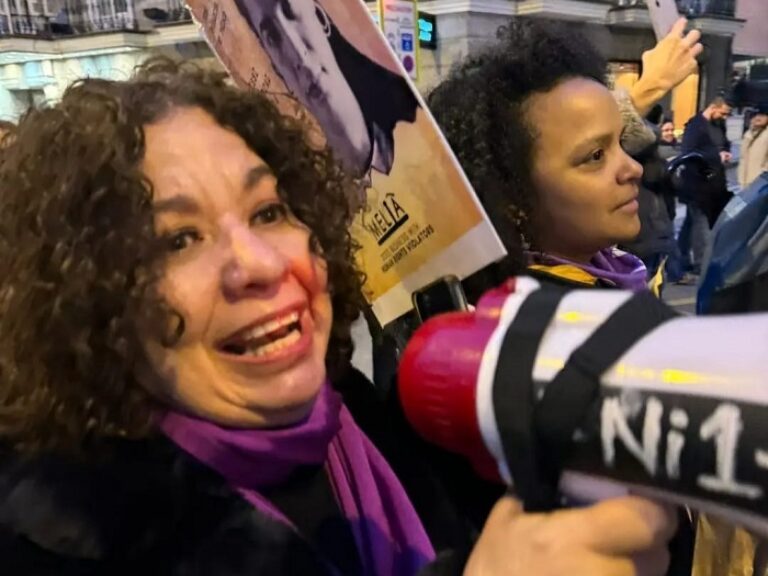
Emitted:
pixel 327 62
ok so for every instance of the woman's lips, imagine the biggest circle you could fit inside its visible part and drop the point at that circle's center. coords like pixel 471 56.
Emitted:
pixel 281 351
pixel 630 206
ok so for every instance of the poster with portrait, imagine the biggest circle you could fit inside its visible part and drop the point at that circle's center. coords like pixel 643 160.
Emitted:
pixel 327 62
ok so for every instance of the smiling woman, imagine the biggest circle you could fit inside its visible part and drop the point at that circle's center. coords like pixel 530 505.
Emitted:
pixel 241 274
pixel 160 174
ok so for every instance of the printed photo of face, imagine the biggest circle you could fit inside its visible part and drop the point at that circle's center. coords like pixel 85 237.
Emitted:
pixel 295 34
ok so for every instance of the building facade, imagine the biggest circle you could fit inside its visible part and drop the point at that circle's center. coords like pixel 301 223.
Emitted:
pixel 45 44
pixel 751 42
pixel 750 50
pixel 621 29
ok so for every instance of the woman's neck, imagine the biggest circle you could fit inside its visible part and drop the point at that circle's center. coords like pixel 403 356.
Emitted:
pixel 572 255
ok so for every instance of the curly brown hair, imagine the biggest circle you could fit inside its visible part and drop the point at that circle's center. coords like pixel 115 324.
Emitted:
pixel 481 108
pixel 79 258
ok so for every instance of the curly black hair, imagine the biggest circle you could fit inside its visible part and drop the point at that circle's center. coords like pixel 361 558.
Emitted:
pixel 481 108
pixel 79 258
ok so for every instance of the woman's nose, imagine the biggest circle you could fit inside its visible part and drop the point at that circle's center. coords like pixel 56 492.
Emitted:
pixel 630 169
pixel 253 265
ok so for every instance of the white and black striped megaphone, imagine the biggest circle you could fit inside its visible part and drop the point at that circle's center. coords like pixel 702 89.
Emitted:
pixel 593 393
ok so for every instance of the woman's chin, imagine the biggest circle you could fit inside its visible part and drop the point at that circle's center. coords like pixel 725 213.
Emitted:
pixel 291 400
pixel 629 233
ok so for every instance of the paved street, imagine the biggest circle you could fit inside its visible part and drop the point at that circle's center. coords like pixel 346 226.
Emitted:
pixel 682 298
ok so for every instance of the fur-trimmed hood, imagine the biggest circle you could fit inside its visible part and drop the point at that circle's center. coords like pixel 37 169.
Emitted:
pixel 148 508
pixel 637 134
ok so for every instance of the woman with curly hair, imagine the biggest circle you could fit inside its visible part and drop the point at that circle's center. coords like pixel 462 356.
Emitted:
pixel 548 148
pixel 176 290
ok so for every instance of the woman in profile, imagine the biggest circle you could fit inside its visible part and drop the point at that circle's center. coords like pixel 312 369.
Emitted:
pixel 549 151
pixel 548 147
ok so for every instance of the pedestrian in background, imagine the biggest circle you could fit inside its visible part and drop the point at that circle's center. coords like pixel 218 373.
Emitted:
pixel 669 147
pixel 655 244
pixel 754 148
pixel 704 195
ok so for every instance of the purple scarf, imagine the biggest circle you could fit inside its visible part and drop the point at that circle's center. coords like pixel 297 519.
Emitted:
pixel 613 266
pixel 388 533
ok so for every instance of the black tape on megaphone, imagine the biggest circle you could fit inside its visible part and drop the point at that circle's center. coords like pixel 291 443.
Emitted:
pixel 690 436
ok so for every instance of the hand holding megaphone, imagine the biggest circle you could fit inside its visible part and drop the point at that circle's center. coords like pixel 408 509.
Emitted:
pixel 597 393
pixel 582 541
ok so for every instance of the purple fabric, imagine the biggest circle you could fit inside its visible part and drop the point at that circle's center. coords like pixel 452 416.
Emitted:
pixel 389 535
pixel 613 266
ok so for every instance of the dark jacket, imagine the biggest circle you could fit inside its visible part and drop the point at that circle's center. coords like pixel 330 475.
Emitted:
pixel 146 507
pixel 667 151
pixel 705 137
pixel 709 193
pixel 657 207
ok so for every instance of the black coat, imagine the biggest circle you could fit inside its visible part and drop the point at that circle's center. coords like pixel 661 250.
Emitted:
pixel 709 192
pixel 706 137
pixel 657 207
pixel 146 507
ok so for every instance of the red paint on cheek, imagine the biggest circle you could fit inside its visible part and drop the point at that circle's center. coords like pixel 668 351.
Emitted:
pixel 312 273
pixel 310 270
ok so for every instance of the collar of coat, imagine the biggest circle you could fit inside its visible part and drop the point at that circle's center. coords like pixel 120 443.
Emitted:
pixel 145 508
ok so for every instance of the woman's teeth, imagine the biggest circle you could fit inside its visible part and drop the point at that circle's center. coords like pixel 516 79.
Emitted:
pixel 268 338
pixel 256 349
pixel 273 325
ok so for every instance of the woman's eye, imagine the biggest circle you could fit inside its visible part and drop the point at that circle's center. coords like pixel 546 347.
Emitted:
pixel 270 214
pixel 182 240
pixel 596 156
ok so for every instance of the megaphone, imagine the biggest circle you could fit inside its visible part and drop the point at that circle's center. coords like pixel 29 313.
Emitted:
pixel 596 393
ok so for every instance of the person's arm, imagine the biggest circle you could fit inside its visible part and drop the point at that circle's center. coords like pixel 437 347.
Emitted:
pixel 666 65
pixel 726 143
pixel 741 173
pixel 637 135
pixel 694 131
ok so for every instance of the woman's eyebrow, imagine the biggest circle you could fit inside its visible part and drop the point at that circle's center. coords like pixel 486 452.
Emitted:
pixel 255 175
pixel 180 204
